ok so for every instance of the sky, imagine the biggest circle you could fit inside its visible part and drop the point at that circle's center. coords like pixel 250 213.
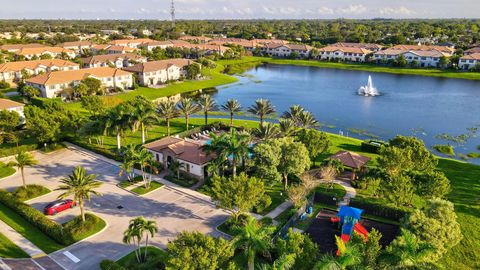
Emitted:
pixel 238 9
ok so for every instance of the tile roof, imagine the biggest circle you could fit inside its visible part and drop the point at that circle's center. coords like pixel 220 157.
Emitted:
pixel 444 49
pixel 18 66
pixel 76 44
pixel 158 65
pixel 350 159
pixel 20 46
pixel 345 49
pixel 7 104
pixel 102 58
pixel 368 46
pixel 129 41
pixel 473 50
pixel 473 56
pixel 120 48
pixel 57 77
pixel 183 150
pixel 41 50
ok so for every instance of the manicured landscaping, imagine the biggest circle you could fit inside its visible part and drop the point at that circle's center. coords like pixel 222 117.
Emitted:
pixel 334 190
pixel 28 230
pixel 277 195
pixel 5 170
pixel 285 216
pixel 82 229
pixel 141 190
pixel 9 250
pixel 135 180
pixel 30 191
pixel 183 181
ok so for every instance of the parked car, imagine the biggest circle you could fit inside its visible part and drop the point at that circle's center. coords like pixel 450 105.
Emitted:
pixel 58 206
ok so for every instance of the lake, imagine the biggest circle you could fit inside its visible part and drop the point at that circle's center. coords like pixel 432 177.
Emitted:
pixel 408 105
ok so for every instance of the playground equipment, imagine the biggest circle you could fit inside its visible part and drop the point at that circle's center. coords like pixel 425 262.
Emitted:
pixel 348 217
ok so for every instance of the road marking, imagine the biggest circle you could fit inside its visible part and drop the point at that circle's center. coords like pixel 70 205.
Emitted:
pixel 41 267
pixel 4 266
pixel 71 256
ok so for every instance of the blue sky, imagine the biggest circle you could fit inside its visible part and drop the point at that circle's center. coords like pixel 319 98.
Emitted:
pixel 238 9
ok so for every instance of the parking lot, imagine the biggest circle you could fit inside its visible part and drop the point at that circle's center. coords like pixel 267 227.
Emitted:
pixel 175 209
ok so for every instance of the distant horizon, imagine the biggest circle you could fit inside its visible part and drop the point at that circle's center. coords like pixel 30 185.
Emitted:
pixel 238 19
pixel 238 10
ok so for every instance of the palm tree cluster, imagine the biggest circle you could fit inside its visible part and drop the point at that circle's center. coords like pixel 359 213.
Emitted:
pixel 137 155
pixel 138 229
pixel 22 160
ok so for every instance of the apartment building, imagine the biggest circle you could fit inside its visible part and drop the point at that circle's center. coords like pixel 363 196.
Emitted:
pixel 158 72
pixel 38 52
pixel 120 60
pixel 12 72
pixel 423 55
pixel 469 61
pixel 343 53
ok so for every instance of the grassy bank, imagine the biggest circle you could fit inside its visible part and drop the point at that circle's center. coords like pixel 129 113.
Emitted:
pixel 5 170
pixel 362 67
pixel 9 250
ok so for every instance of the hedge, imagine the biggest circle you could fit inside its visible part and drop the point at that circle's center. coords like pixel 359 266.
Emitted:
pixel 379 210
pixel 36 218
pixel 110 265
pixel 324 199
pixel 372 146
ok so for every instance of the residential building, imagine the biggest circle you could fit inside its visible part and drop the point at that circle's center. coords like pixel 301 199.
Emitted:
pixel 368 46
pixel 343 53
pixel 113 60
pixel 53 52
pixel 116 49
pixel 205 48
pixel 133 43
pixel 149 46
pixel 12 106
pixel 52 84
pixel 424 56
pixel 77 46
pixel 472 50
pixel 158 72
pixel 17 47
pixel 285 50
pixel 197 39
pixel 189 153
pixel 13 72
pixel 469 61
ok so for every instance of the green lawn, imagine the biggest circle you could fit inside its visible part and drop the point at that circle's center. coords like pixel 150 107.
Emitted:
pixel 30 191
pixel 83 229
pixel 335 190
pixel 9 250
pixel 129 261
pixel 5 170
pixel 29 231
pixel 182 181
pixel 278 196
pixel 126 183
pixel 285 216
pixel 141 190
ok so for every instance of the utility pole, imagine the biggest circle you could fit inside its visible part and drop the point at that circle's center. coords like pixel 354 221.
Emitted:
pixel 172 13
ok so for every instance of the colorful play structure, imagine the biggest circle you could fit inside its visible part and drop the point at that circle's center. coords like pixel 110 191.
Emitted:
pixel 349 218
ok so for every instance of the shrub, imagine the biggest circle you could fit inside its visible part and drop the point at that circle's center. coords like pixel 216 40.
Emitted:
pixel 323 198
pixel 78 230
pixel 30 192
pixel 110 265
pixel 379 210
pixel 4 85
pixel 445 149
pixel 372 146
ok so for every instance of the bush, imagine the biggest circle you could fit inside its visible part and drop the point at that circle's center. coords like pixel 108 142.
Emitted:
pixel 323 198
pixel 110 265
pixel 379 210
pixel 78 230
pixel 30 192
pixel 372 146
pixel 4 85
pixel 445 149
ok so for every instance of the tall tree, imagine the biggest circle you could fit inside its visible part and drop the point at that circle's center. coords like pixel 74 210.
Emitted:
pixel 22 160
pixel 294 113
pixel 167 110
pixel 187 107
pixel 194 250
pixel 206 104
pixel 307 120
pixel 117 121
pixel 139 228
pixel 315 141
pixel 408 251
pixel 232 106
pixel 287 127
pixel 143 115
pixel 253 238
pixel 81 185
pixel 262 108
pixel 267 131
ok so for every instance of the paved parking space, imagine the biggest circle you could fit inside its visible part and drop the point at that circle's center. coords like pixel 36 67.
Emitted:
pixel 175 209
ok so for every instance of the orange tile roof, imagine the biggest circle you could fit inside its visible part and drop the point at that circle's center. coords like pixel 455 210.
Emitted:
pixel 473 50
pixel 127 41
pixel 18 66
pixel 20 46
pixel 333 48
pixel 444 49
pixel 158 65
pixel 350 159
pixel 76 44
pixel 368 46
pixel 7 104
pixel 473 56
pixel 120 48
pixel 102 58
pixel 182 149
pixel 41 50
pixel 58 77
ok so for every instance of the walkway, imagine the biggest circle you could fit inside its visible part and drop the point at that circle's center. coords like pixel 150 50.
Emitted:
pixel 18 239
pixel 350 192
pixel 279 209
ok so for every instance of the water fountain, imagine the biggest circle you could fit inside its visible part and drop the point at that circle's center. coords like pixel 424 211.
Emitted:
pixel 368 90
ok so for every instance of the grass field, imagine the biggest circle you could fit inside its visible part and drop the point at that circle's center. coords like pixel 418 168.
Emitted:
pixel 5 170
pixel 9 250
pixel 129 261
pixel 141 190
pixel 28 231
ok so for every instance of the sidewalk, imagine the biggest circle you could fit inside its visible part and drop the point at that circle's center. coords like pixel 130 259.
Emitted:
pixel 20 241
pixel 277 211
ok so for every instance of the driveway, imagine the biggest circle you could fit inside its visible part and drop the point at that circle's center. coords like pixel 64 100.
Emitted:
pixel 175 209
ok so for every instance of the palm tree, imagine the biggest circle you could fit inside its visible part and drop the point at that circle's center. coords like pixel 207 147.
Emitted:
pixel 117 121
pixel 187 107
pixel 262 108
pixel 206 104
pixel 349 255
pixel 307 120
pixel 143 115
pixel 175 166
pixel 284 262
pixel 22 160
pixel 81 185
pixel 267 131
pixel 409 251
pixel 253 238
pixel 167 110
pixel 287 126
pixel 145 159
pixel 137 229
pixel 294 113
pixel 232 106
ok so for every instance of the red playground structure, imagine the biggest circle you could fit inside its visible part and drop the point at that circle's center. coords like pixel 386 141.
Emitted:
pixel 349 217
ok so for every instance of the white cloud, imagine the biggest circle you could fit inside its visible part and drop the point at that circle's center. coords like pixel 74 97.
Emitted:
pixel 325 10
pixel 396 11
pixel 352 10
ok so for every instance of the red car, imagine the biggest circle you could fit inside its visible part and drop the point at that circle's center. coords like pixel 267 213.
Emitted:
pixel 58 206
